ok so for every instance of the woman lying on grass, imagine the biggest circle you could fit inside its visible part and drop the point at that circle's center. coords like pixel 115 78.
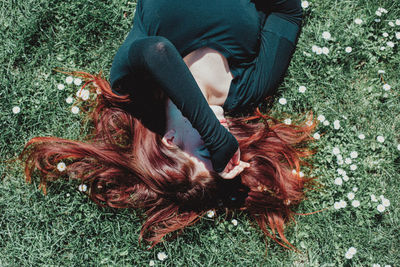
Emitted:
pixel 161 142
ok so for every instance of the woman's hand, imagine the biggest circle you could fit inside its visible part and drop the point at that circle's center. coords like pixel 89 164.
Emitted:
pixel 234 167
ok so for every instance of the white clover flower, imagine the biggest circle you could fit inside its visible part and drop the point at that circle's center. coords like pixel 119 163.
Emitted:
pixel 350 195
pixel 336 150
pixel 381 9
pixel 294 171
pixel 337 205
pixel 386 87
pixel 75 110
pixel 386 202
pixel 343 204
pixel 234 222
pixel 314 48
pixel 77 81
pixel 352 250
pixel 380 139
pixel 397 22
pixel 69 80
pixel 326 35
pixel 282 101
pixel 82 187
pixel 60 86
pixel 376 265
pixel 304 4
pixel 302 88
pixel 380 208
pixel 336 124
pixel 387 265
pixel 361 136
pixel 385 34
pixel 345 177
pixel 321 118
pixel 355 189
pixel 398 147
pixel 378 13
pixel 339 157
pixel 381 72
pixel 355 203
pixel 391 24
pixel 358 21
pixel 348 255
pixel 69 100
pixel 326 122
pixel 287 121
pixel 348 49
pixel 319 51
pixel 348 161
pixel 79 93
pixel 16 110
pixel 68 194
pixel 340 162
pixel 390 44
pixel 161 256
pixel 338 181
pixel 377 20
pixel 373 198
pixel 61 166
pixel 397 35
pixel 317 136
pixel 353 154
pixel 382 48
pixel 152 263
pixel 301 174
pixel 325 50
pixel 353 167
pixel 340 171
pixel 210 214
pixel 85 94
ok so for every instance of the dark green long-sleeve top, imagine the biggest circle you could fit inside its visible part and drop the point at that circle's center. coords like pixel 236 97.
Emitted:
pixel 257 38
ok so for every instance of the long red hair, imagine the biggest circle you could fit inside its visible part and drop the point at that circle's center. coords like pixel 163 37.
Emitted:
pixel 126 165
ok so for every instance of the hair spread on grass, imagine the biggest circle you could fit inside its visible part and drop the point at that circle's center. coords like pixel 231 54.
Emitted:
pixel 126 165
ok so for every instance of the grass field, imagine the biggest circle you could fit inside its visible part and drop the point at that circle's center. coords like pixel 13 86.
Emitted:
pixel 355 90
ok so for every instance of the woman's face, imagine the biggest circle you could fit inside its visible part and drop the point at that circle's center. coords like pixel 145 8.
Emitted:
pixel 181 133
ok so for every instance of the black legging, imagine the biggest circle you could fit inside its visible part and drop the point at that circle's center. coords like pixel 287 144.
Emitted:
pixel 157 58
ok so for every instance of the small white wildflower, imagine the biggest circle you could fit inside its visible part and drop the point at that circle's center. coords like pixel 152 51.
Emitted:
pixel 282 101
pixel 391 24
pixel 336 205
pixel 77 81
pixel 381 9
pixel 397 22
pixel 353 167
pixel 373 198
pixel 234 222
pixel 353 154
pixel 376 265
pixel 398 147
pixel 347 161
pixel 319 51
pixel 82 187
pixel 352 250
pixel 314 48
pixel 326 122
pixel 69 100
pixel 98 91
pixel 79 93
pixel 339 157
pixel 361 136
pixel 355 203
pixel 326 35
pixel 152 263
pixel 340 162
pixel 378 13
pixel 302 88
pixel 381 72
pixel 390 44
pixel 301 174
pixel 387 265
pixel 348 49
pixel 382 48
pixel 335 150
pixel 69 80
pixel 380 208
pixel 345 177
pixel 386 202
pixel 325 50
pixel 317 136
pixel 385 34
pixel 350 195
pixel 380 139
pixel 358 21
pixel 309 122
pixel 355 189
pixel 304 4
pixel 386 87
pixel 210 214
pixel 397 35
pixel 294 171
pixel 340 171
pixel 287 121
pixel 161 256
pixel 343 204
pixel 377 20
pixel 68 194
pixel 336 124
pixel 85 94
pixel 16 110
pixel 348 255
pixel 60 86
pixel 321 118
pixel 75 110
pixel 61 166
pixel 338 181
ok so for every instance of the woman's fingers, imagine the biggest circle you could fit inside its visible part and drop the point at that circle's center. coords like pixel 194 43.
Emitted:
pixel 235 171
